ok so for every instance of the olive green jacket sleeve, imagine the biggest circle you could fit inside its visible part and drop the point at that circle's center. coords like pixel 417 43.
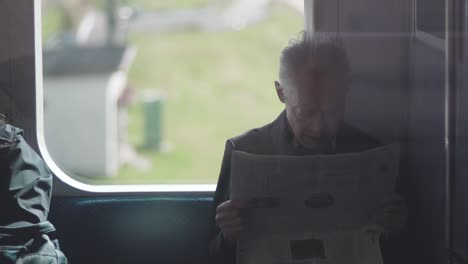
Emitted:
pixel 25 181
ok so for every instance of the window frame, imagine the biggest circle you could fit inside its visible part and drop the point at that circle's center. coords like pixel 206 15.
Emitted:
pixel 59 173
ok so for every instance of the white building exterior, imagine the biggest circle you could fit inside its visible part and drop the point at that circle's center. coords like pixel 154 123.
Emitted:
pixel 81 119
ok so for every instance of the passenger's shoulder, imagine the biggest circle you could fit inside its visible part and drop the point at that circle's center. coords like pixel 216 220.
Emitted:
pixel 252 139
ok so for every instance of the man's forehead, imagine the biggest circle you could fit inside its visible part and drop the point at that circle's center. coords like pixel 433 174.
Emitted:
pixel 312 88
pixel 308 69
pixel 316 78
pixel 307 79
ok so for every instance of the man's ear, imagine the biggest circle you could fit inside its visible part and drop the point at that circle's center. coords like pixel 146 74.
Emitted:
pixel 280 92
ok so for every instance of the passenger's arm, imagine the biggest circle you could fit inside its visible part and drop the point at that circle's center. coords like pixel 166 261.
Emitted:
pixel 221 250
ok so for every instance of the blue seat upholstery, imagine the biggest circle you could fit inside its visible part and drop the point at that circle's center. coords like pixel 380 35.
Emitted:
pixel 133 230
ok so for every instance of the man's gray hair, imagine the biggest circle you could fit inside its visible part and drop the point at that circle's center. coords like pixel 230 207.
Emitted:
pixel 324 51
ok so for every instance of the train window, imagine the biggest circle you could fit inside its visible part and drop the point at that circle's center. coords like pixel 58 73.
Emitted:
pixel 148 92
pixel 430 16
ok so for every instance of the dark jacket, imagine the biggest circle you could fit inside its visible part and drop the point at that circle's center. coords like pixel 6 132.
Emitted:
pixel 25 181
pixel 25 192
pixel 272 139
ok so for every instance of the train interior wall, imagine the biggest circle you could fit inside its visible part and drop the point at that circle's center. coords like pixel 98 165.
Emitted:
pixel 460 214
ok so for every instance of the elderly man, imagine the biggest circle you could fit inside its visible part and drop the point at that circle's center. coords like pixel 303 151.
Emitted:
pixel 313 83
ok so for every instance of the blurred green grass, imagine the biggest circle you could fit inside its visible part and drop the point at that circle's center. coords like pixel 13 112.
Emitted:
pixel 52 22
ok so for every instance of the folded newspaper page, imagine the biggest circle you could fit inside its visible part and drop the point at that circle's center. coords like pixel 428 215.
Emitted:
pixel 311 209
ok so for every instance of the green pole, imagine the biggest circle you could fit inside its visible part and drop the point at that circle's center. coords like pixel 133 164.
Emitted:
pixel 153 119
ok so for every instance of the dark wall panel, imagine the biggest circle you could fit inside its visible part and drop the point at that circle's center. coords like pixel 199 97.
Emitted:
pixel 461 178
pixel 426 153
pixel 17 64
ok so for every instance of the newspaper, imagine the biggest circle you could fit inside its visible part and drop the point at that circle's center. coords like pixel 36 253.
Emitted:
pixel 311 209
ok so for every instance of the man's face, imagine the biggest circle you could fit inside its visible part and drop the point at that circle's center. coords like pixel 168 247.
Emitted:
pixel 315 105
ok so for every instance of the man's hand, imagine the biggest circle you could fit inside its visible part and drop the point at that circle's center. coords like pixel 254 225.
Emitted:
pixel 391 215
pixel 229 220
